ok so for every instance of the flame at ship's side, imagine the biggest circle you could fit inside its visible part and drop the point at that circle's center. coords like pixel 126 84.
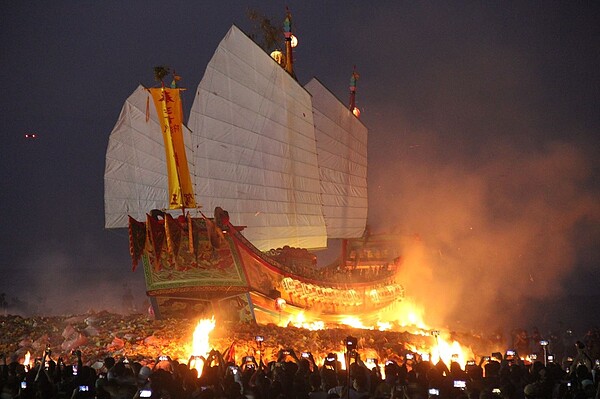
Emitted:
pixel 404 316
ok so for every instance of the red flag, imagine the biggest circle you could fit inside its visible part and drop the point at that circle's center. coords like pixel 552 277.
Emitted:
pixel 215 234
pixel 156 237
pixel 137 240
pixel 229 355
pixel 174 232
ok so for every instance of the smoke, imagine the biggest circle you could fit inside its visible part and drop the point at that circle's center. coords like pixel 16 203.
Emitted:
pixel 58 282
pixel 498 236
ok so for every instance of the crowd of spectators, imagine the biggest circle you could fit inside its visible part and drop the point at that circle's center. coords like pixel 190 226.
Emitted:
pixel 408 376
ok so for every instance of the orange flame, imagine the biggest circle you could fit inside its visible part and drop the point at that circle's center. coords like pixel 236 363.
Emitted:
pixel 27 360
pixel 403 315
pixel 200 344
pixel 300 320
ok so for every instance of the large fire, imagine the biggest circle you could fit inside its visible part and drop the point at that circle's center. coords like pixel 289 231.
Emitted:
pixel 200 344
pixel 401 316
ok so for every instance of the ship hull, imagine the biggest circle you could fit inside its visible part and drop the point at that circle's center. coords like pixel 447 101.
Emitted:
pixel 222 273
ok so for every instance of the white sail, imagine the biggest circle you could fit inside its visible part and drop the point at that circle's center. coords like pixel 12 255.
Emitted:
pixel 288 162
pixel 255 152
pixel 135 177
pixel 342 157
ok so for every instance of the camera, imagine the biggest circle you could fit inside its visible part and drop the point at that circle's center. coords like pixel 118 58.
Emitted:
pixel 84 388
pixel 543 342
pixel 461 384
pixel 550 358
pixel 74 369
pixel 410 356
pixel 496 391
pixel 510 353
pixel 351 343
pixel 23 384
pixel 145 393
pixel 259 338
pixel 163 358
pixel 434 392
pixel 533 356
pixel 305 354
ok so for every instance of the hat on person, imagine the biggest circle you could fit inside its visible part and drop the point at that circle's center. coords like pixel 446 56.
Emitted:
pixel 144 373
pixel 586 383
pixel 164 365
pixel 531 390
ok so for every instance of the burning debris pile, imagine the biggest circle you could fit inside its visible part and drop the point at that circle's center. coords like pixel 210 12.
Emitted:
pixel 139 338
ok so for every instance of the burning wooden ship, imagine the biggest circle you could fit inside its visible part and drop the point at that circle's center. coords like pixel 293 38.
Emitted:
pixel 283 166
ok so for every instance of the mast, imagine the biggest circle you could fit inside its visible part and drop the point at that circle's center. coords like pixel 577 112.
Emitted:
pixel 287 32
pixel 353 80
pixel 352 106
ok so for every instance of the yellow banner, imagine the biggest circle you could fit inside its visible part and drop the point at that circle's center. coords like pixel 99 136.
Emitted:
pixel 170 115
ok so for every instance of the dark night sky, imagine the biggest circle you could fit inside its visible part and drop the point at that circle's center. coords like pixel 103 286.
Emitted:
pixel 484 121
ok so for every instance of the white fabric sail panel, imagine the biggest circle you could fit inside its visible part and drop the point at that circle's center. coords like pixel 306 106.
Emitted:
pixel 255 152
pixel 135 176
pixel 342 155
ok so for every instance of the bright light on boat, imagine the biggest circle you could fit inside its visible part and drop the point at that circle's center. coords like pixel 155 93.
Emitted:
pixel 280 303
pixel 277 56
